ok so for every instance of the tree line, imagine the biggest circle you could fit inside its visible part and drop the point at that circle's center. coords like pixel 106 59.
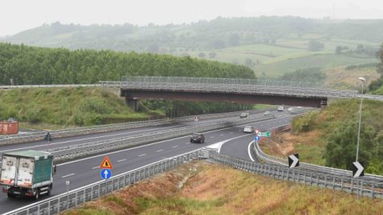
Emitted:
pixel 20 64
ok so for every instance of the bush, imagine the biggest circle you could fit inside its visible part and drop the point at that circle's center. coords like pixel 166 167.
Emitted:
pixel 304 123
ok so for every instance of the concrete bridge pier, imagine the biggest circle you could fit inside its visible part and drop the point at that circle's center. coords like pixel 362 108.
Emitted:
pixel 132 102
pixel 323 103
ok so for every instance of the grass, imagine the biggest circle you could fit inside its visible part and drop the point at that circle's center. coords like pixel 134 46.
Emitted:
pixel 219 190
pixel 290 53
pixel 56 108
pixel 323 61
pixel 342 78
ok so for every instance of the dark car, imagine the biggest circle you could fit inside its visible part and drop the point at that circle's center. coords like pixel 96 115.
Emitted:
pixel 197 138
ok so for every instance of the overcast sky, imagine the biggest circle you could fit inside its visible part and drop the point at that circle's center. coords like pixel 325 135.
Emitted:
pixel 19 15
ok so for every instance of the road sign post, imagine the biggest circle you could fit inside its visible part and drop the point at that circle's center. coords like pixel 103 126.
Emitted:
pixel 106 163
pixel 106 173
pixel 106 168
pixel 264 134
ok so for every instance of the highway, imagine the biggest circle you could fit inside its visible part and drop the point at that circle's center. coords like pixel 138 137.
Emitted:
pixel 45 145
pixel 85 171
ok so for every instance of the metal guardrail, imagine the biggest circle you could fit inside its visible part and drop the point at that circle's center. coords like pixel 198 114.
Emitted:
pixel 48 86
pixel 325 180
pixel 74 198
pixel 70 132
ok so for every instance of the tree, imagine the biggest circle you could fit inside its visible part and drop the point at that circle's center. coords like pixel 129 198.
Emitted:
pixel 315 45
pixel 341 148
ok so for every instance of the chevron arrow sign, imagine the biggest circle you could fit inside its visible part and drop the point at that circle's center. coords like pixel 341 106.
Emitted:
pixel 293 160
pixel 358 169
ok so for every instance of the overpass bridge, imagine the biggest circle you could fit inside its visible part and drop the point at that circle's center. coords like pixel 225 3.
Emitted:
pixel 245 91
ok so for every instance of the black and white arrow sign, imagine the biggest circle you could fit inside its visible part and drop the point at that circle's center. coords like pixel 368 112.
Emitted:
pixel 293 160
pixel 358 169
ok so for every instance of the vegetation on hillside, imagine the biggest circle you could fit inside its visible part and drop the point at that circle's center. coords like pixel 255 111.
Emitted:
pixel 21 64
pixel 271 46
pixel 202 188
pixel 338 125
pixel 68 106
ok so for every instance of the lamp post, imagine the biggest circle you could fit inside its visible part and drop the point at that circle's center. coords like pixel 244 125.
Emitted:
pixel 363 80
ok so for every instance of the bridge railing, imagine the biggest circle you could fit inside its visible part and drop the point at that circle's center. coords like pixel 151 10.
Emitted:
pixel 248 86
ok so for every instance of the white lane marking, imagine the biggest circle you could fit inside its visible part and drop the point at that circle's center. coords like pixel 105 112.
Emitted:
pixel 96 167
pixel 249 151
pixel 69 175
pixel 142 155
pixel 119 161
pixel 78 140
pixel 138 147
pixel 159 150
pixel 219 145
pixel 174 146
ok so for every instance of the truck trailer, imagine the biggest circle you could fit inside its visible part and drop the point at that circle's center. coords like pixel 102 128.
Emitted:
pixel 27 173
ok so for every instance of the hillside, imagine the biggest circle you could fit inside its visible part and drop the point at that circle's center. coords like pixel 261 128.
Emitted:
pixel 66 107
pixel 271 46
pixel 21 64
pixel 202 188
pixel 329 136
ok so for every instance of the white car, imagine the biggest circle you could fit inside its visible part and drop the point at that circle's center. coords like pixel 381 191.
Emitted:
pixel 248 129
pixel 281 108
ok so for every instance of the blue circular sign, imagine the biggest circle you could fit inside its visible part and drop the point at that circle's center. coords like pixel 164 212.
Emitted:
pixel 106 173
pixel 256 138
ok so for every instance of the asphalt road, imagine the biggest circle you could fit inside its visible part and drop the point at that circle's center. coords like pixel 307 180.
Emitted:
pixel 85 171
pixel 44 145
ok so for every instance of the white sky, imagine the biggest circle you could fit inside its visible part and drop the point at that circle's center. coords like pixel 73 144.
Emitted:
pixel 19 15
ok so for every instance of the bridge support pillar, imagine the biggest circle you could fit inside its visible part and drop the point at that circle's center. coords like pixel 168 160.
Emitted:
pixel 323 103
pixel 132 102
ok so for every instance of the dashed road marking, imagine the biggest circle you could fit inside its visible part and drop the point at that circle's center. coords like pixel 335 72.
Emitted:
pixel 121 160
pixel 96 167
pixel 69 175
pixel 159 150
pixel 142 155
pixel 175 146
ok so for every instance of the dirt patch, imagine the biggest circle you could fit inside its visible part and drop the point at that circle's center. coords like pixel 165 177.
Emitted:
pixel 286 143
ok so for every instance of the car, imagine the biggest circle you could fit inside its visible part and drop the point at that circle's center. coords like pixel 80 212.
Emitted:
pixel 244 115
pixel 197 138
pixel 267 113
pixel 281 108
pixel 248 129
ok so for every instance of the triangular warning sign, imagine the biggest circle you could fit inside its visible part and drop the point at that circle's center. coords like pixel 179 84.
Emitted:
pixel 106 164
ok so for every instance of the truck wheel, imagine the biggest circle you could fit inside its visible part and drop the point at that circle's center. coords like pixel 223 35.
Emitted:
pixel 10 195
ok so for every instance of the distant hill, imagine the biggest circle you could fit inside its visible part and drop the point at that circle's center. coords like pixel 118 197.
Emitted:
pixel 271 46
pixel 217 33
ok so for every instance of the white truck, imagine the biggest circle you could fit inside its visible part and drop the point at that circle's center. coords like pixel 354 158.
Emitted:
pixel 27 173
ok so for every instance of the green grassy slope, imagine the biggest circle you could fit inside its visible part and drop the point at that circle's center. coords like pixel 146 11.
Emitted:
pixel 67 107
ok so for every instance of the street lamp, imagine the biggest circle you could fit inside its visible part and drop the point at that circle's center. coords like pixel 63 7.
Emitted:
pixel 363 80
